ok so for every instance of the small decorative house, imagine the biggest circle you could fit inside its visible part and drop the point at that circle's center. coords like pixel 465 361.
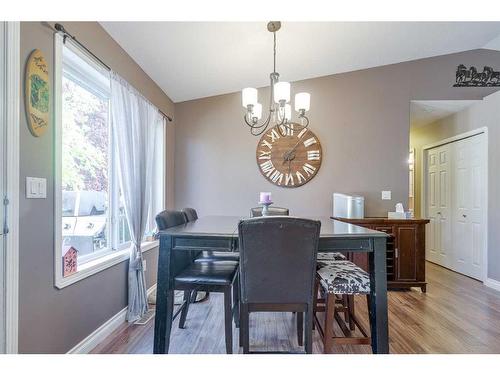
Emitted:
pixel 70 260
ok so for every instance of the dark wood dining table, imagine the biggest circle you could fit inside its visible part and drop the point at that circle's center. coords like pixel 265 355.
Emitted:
pixel 220 233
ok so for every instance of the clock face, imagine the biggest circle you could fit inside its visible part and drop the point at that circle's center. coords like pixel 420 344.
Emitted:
pixel 289 158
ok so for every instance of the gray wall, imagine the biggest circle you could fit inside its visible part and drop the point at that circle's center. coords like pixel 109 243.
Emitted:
pixel 483 114
pixel 361 119
pixel 52 320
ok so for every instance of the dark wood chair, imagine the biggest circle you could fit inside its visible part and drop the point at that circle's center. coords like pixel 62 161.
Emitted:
pixel 272 211
pixel 192 276
pixel 339 281
pixel 209 256
pixel 277 271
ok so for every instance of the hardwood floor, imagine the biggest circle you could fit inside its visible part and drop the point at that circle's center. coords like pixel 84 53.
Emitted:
pixel 456 315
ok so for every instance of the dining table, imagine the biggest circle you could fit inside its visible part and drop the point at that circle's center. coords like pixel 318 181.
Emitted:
pixel 220 233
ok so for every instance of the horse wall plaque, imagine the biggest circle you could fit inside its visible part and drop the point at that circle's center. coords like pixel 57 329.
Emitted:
pixel 473 78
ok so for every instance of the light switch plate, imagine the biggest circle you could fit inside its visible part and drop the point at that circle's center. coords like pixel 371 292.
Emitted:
pixel 386 195
pixel 36 188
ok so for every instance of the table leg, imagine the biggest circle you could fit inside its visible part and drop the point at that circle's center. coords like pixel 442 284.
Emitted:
pixel 378 298
pixel 164 298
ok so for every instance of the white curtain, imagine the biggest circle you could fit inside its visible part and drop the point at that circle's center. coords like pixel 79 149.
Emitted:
pixel 134 123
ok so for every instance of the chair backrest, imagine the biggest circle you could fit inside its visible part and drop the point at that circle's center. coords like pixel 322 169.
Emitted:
pixel 167 219
pixel 278 259
pixel 190 213
pixel 272 211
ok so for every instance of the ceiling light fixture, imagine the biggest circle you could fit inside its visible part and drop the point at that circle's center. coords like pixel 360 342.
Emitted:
pixel 279 112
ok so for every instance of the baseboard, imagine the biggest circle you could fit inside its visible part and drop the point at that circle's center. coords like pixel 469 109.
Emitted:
pixel 95 338
pixel 492 283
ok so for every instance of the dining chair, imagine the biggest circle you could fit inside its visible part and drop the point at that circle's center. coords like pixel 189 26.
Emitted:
pixel 208 256
pixel 339 281
pixel 277 270
pixel 272 211
pixel 191 276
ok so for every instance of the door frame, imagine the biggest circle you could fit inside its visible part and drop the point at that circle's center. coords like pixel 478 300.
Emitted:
pixel 12 117
pixel 423 182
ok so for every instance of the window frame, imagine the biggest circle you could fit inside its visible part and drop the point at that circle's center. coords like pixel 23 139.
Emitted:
pixel 113 255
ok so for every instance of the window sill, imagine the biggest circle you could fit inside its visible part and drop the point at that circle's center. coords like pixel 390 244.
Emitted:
pixel 100 264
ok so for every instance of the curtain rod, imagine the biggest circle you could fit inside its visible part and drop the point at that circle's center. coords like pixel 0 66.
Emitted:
pixel 60 28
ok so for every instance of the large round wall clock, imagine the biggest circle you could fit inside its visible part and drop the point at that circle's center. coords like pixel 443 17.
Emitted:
pixel 290 157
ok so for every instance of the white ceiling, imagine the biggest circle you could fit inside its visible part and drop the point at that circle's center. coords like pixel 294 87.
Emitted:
pixel 190 60
pixel 425 112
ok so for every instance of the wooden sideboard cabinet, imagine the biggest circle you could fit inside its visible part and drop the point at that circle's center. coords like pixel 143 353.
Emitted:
pixel 405 250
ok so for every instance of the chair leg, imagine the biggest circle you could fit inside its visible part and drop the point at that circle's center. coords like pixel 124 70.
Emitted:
pixel 308 329
pixel 300 328
pixel 184 312
pixel 315 299
pixel 228 321
pixel 244 328
pixel 236 302
pixel 329 320
pixel 350 309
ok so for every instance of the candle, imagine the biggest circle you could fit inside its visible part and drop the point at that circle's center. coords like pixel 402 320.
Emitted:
pixel 265 197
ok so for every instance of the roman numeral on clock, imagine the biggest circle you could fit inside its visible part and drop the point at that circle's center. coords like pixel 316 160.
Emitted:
pixel 267 167
pixel 301 133
pixel 265 155
pixel 276 177
pixel 273 135
pixel 289 179
pixel 309 141
pixel 266 143
pixel 313 155
pixel 300 177
pixel 309 169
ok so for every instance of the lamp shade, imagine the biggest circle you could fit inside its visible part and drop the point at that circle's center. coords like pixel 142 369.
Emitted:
pixel 302 101
pixel 248 96
pixel 282 92
pixel 257 111
pixel 288 112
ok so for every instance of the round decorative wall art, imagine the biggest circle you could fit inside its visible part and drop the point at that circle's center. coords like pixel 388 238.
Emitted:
pixel 37 93
pixel 290 157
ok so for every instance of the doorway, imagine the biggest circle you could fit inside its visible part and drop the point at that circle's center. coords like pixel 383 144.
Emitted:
pixel 452 166
pixel 455 178
pixel 9 184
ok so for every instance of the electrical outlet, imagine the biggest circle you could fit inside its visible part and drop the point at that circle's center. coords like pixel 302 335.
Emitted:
pixel 144 265
pixel 386 195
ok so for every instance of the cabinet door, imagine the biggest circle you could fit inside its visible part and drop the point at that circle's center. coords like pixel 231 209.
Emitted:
pixel 406 253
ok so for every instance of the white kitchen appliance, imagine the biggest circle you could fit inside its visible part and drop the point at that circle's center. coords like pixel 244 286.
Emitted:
pixel 348 206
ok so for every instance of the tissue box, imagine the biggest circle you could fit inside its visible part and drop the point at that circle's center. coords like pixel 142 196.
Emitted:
pixel 396 215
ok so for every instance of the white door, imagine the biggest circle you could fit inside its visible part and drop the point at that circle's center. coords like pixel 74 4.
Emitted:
pixel 469 205
pixel 3 131
pixel 438 205
pixel 456 204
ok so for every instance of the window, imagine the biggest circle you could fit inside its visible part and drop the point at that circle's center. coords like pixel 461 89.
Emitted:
pixel 90 213
pixel 87 163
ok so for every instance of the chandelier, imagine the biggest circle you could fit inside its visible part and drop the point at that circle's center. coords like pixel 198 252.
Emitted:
pixel 280 111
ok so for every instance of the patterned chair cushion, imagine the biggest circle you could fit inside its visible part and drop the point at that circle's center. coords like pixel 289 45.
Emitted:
pixel 331 256
pixel 344 277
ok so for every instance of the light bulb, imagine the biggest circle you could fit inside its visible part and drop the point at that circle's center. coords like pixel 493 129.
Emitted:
pixel 282 92
pixel 248 97
pixel 302 101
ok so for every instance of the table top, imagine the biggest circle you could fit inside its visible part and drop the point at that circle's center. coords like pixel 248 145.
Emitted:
pixel 227 226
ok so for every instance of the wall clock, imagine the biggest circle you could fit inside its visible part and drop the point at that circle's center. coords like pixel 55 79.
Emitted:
pixel 37 95
pixel 290 157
